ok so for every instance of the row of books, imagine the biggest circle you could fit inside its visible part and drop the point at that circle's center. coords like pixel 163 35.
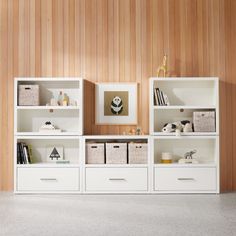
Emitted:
pixel 160 98
pixel 24 153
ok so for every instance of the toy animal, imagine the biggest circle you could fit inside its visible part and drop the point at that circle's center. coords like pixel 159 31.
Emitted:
pixel 182 126
pixel 163 67
pixel 116 105
pixel 189 155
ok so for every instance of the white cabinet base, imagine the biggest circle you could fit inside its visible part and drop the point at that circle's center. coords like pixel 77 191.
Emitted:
pixel 116 180
pixel 47 179
pixel 189 179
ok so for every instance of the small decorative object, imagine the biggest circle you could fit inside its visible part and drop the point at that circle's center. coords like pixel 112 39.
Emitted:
pixel 53 102
pixel 48 127
pixel 188 158
pixel 54 153
pixel 138 131
pixel 116 103
pixel 132 132
pixel 28 95
pixel 60 99
pixel 166 158
pixel 73 102
pixel 204 121
pixel 160 98
pixel 182 126
pixel 65 100
pixel 162 67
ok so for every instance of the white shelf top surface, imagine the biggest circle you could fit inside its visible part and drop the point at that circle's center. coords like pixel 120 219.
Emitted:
pixel 35 79
pixel 47 107
pixel 48 165
pixel 116 136
pixel 180 79
pixel 185 107
pixel 174 165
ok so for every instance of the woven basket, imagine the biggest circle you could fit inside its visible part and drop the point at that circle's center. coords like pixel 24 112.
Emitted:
pixel 138 153
pixel 95 153
pixel 116 153
pixel 204 121
pixel 28 95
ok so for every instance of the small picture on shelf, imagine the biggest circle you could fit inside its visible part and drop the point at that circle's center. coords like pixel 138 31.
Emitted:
pixel 160 98
pixel 54 153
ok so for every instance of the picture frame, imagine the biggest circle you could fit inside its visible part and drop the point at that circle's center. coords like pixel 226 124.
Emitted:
pixel 116 103
pixel 54 153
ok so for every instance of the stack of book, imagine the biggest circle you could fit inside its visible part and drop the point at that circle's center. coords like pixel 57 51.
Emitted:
pixel 24 154
pixel 160 98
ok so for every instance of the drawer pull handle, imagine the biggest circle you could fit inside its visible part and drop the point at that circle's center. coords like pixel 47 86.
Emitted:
pixel 185 178
pixel 119 179
pixel 48 179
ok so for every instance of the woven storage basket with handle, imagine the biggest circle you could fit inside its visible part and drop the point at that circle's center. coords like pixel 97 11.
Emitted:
pixel 95 153
pixel 116 153
pixel 204 121
pixel 28 95
pixel 138 153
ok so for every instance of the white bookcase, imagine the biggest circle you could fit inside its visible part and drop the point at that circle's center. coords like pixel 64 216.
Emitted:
pixel 43 176
pixel 185 95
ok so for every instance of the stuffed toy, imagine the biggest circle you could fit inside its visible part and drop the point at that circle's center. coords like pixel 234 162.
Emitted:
pixel 181 126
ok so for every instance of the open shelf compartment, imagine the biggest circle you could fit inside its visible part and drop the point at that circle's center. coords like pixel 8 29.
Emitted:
pixel 71 150
pixel 206 147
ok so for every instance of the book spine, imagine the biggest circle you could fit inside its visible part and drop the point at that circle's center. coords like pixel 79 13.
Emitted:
pixel 162 98
pixel 28 153
pixel 22 153
pixel 155 97
pixel 158 96
pixel 18 154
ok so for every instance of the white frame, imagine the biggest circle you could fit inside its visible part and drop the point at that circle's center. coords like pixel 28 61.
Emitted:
pixel 131 119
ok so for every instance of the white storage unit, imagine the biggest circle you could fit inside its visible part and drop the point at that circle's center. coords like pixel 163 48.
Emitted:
pixel 118 163
pixel 42 176
pixel 187 96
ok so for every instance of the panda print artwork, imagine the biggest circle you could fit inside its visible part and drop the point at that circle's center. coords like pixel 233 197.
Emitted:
pixel 116 105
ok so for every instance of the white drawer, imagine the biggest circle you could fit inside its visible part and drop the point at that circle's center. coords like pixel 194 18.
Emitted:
pixel 116 179
pixel 185 179
pixel 48 179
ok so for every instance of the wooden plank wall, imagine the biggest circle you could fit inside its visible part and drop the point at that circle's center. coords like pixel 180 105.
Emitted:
pixel 118 40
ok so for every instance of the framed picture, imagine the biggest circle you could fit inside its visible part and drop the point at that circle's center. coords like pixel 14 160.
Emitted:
pixel 54 153
pixel 116 103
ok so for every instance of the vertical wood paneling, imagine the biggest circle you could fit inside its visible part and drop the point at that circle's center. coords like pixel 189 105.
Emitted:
pixel 118 40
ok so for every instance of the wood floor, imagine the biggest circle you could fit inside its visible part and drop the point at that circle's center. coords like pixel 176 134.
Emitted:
pixel 118 40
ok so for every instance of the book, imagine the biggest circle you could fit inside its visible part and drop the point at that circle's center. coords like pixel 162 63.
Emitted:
pixel 26 154
pixel 162 98
pixel 155 97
